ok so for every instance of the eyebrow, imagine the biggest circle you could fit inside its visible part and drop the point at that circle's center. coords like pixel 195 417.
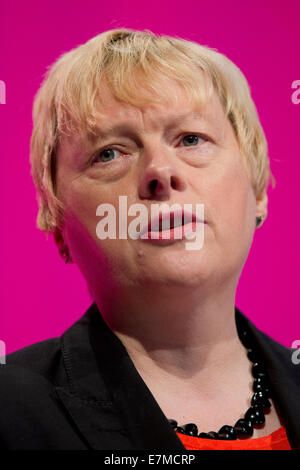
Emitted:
pixel 107 131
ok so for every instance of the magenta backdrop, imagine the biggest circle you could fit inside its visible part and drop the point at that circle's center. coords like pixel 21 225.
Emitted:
pixel 40 296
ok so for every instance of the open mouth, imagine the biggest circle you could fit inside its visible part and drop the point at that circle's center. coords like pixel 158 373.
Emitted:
pixel 169 223
pixel 170 226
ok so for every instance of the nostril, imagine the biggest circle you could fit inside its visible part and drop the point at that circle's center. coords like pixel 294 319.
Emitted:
pixel 173 182
pixel 153 185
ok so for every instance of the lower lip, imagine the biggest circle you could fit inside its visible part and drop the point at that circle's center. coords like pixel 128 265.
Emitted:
pixel 173 234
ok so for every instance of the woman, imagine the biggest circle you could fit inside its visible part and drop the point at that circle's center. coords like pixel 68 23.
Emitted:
pixel 162 359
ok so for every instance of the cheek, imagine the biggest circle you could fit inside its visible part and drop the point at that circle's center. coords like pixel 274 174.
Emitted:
pixel 83 198
pixel 233 202
pixel 91 255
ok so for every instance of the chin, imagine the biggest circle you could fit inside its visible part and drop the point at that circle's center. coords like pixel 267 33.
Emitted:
pixel 179 274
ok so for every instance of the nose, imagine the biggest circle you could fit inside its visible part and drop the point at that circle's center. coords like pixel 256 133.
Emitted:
pixel 160 177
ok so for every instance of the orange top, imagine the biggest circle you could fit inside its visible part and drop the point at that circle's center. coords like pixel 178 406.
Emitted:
pixel 276 441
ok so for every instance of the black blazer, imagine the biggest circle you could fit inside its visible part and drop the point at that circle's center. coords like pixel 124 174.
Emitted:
pixel 82 391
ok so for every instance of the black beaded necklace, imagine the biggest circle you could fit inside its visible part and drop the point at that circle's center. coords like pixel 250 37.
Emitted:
pixel 254 416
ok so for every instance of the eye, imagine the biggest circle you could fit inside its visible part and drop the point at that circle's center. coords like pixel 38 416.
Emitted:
pixel 105 155
pixel 193 139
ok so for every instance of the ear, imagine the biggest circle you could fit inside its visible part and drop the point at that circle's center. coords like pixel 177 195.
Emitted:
pixel 61 245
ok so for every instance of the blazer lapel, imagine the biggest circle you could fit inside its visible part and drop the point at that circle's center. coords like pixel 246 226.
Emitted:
pixel 105 396
pixel 114 409
pixel 283 374
pixel 146 425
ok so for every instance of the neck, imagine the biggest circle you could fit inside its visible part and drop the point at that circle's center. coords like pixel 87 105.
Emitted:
pixel 180 332
pixel 187 351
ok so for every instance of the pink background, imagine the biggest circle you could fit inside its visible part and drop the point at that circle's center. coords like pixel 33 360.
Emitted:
pixel 40 296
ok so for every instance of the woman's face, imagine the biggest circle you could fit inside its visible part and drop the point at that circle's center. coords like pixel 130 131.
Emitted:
pixel 157 154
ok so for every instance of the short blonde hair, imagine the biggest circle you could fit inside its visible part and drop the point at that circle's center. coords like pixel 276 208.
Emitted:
pixel 128 61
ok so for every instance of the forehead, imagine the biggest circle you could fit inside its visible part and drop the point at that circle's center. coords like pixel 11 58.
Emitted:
pixel 174 107
pixel 176 110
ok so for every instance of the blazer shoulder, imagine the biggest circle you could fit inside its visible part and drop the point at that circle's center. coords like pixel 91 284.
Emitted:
pixel 43 359
pixel 284 359
pixel 32 416
pixel 287 357
pixel 48 358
